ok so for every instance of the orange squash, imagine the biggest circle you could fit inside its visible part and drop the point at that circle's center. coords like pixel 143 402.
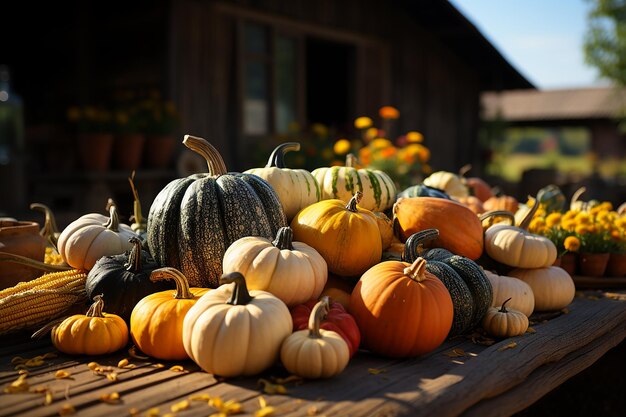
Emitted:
pixel 460 230
pixel 503 202
pixel 401 309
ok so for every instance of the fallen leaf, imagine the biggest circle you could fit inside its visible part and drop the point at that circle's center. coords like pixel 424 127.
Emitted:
pixel 19 385
pixel 112 398
pixel 67 409
pixel 511 345
pixel 177 368
pixel 265 410
pixel 615 296
pixel 180 406
pixel 159 365
pixel 61 374
pixel 153 412
pixel 200 397
pixel 112 376
pixel 311 411
pixel 456 353
pixel 40 389
pixel 133 412
pixel 49 355
pixel 531 330
pixel 271 388
pixel 122 363
pixel 49 398
pixel 132 351
pixel 34 362
pixel 93 365
pixel 565 310
pixel 18 360
pixel 375 371
pixel 290 378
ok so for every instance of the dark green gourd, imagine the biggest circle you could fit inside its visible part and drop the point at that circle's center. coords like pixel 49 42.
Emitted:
pixel 422 190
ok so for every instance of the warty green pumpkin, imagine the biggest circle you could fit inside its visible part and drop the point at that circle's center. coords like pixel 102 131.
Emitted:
pixel 193 220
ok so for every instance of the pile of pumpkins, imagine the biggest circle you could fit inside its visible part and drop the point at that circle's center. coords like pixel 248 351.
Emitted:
pixel 238 270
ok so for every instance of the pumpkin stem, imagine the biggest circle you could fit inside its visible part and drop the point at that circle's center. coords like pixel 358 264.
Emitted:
pixel 208 152
pixel 318 314
pixel 114 220
pixel 529 216
pixel 134 257
pixel 137 214
pixel 416 271
pixel 464 170
pixel 356 199
pixel 351 160
pixel 182 285
pixel 284 238
pixel 503 308
pixel 414 246
pixel 240 295
pixel 277 157
pixel 577 195
pixel 96 308
pixel 49 230
pixel 497 213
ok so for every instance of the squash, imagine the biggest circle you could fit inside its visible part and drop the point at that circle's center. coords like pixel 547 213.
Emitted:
pixel 502 202
pixel 462 300
pixel 92 333
pixel 402 309
pixel 296 188
pixel 551 198
pixel 339 290
pixel 576 204
pixel 516 247
pixel 93 236
pixel 336 319
pixel 379 191
pixel 292 271
pixel 473 275
pixel 231 331
pixel 385 226
pixel 156 322
pixel 193 220
pixel 315 352
pixel 124 279
pixel 421 190
pixel 503 323
pixel 477 186
pixel 460 231
pixel 347 236
pixel 520 293
pixel 472 203
pixel 552 286
pixel 451 183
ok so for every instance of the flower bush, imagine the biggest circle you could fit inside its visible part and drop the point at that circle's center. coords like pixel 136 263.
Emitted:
pixel 90 119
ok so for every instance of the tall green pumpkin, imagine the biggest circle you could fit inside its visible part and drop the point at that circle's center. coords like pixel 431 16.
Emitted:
pixel 193 220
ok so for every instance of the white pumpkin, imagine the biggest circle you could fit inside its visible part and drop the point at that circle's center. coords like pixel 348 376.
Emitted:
pixel 505 287
pixel 230 331
pixel 553 287
pixel 451 183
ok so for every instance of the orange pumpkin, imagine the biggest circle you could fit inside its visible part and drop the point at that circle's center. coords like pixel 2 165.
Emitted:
pixel 503 202
pixel 339 290
pixel 460 230
pixel 401 309
pixel 472 203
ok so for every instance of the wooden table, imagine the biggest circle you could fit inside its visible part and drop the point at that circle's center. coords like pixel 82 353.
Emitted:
pixel 495 380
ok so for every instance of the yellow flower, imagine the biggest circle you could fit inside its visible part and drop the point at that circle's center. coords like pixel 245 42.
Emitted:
pixel 342 146
pixel 570 214
pixel 537 224
pixel 371 133
pixel 389 112
pixel 583 218
pixel 571 243
pixel 581 229
pixel 319 129
pixel 553 219
pixel 414 137
pixel 388 152
pixel 407 156
pixel 424 154
pixel 381 143
pixel 363 122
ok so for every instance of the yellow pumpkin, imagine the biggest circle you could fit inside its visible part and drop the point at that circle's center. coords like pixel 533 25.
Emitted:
pixel 232 331
pixel 156 323
pixel 93 236
pixel 505 287
pixel 315 352
pixel 385 226
pixel 553 287
pixel 93 333
pixel 502 323
pixel 292 271
pixel 347 237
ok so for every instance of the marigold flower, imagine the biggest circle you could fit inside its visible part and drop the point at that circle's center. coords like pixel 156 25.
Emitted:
pixel 424 154
pixel 553 219
pixel 319 129
pixel 582 229
pixel 389 112
pixel 568 224
pixel 537 224
pixel 363 122
pixel 583 218
pixel 381 143
pixel 414 137
pixel 571 243
pixel 371 133
pixel 388 152
pixel 342 146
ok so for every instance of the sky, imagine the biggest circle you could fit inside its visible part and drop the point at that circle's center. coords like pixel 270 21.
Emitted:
pixel 542 39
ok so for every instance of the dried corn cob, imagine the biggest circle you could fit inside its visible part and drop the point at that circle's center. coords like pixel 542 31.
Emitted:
pixel 30 308
pixel 58 280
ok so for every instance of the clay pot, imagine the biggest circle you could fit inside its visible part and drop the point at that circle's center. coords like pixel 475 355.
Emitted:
pixel 127 151
pixel 20 238
pixel 616 267
pixel 568 262
pixel 160 151
pixel 592 264
pixel 94 151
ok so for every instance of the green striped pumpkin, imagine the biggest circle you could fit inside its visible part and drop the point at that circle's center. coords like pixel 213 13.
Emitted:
pixel 193 220
pixel 341 182
pixel 422 190
pixel 296 188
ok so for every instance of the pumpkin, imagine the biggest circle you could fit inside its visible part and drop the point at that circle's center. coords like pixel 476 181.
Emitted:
pixel 124 279
pixel 502 202
pixel 422 190
pixel 193 220
pixel 473 275
pixel 503 323
pixel 342 182
pixel 460 231
pixel 156 322
pixel 385 226
pixel 232 331
pixel 552 287
pixel 402 310
pixel 462 300
pixel 551 198
pixel 296 188
pixel 472 203
pixel 347 236
pixel 315 352
pixel 451 183
pixel 576 204
pixel 477 186
pixel 92 333
pixel 93 236
pixel 520 294
pixel 292 271
pixel 338 290
pixel 336 319
pixel 516 247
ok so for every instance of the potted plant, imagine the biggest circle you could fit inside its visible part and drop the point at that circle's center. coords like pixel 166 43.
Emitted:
pixel 129 135
pixel 93 126
pixel 162 121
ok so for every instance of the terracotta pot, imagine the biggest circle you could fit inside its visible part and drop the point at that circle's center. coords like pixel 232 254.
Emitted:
pixel 616 267
pixel 160 151
pixel 568 262
pixel 592 264
pixel 20 238
pixel 94 151
pixel 127 150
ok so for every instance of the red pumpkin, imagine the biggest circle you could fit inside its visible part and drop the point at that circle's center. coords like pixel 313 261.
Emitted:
pixel 338 320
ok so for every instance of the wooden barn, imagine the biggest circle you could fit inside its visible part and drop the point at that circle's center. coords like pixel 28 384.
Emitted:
pixel 240 71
